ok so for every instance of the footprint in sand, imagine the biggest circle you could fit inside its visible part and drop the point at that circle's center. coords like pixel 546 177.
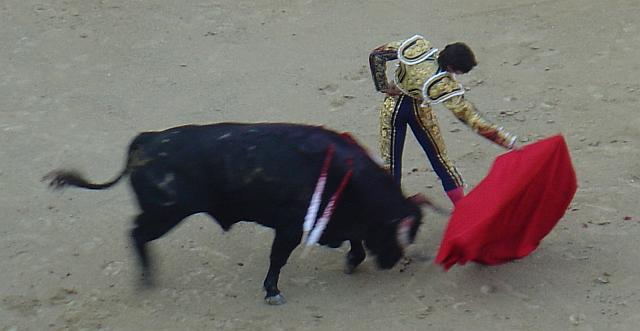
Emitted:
pixel 112 268
pixel 337 100
pixel 328 89
pixel 25 306
pixel 340 101
pixel 359 75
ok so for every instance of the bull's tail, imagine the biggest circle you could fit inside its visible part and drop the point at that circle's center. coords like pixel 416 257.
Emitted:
pixel 59 179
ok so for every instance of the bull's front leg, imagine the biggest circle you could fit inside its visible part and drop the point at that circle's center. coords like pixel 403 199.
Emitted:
pixel 285 242
pixel 355 256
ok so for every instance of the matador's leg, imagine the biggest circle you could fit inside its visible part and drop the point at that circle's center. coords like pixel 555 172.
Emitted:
pixel 392 134
pixel 424 125
pixel 386 130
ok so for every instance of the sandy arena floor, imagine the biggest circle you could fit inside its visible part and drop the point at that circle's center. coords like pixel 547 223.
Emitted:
pixel 79 79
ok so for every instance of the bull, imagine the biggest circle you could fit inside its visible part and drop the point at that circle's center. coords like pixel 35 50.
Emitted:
pixel 267 173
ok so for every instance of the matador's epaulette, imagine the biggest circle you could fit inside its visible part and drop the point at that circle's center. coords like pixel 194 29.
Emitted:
pixel 440 87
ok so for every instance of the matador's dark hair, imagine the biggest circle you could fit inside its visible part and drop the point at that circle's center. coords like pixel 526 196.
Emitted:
pixel 457 55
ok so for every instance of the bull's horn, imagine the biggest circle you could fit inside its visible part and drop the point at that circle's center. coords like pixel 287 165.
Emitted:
pixel 422 200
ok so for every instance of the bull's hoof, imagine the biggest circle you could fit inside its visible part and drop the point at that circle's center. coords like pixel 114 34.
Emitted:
pixel 275 300
pixel 145 281
pixel 350 268
pixel 353 261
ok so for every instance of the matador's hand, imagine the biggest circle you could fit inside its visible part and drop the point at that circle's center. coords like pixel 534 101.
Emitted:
pixel 392 90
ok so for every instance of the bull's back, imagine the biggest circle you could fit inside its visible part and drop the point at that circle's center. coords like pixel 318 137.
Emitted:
pixel 244 163
pixel 271 161
pixel 239 154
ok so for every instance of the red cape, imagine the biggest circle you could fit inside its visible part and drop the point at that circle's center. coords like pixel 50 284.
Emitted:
pixel 516 205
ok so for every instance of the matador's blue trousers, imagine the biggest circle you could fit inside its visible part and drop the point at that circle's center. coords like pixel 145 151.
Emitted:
pixel 402 111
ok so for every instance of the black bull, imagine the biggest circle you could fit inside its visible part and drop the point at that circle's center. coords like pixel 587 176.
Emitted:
pixel 265 173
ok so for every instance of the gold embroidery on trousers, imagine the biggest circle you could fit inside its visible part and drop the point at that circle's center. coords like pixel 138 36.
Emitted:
pixel 386 130
pixel 429 123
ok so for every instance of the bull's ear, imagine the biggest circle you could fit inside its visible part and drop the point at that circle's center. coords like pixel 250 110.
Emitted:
pixel 403 231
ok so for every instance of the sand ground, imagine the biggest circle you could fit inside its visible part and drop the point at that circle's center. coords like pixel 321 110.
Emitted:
pixel 78 79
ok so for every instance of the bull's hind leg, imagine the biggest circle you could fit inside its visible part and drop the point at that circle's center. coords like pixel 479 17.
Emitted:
pixel 284 243
pixel 355 256
pixel 150 227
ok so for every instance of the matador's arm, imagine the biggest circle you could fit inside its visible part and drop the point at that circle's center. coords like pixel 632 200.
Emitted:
pixel 466 112
pixel 451 94
pixel 378 63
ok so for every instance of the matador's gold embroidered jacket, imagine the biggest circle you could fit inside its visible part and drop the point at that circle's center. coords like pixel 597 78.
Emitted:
pixel 419 76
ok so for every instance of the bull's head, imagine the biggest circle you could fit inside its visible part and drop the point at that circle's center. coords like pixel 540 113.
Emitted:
pixel 389 240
